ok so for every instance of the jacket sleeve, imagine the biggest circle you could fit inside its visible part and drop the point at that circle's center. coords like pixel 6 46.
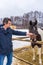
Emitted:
pixel 18 33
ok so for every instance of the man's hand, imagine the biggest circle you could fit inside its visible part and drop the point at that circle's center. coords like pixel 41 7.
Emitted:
pixel 29 34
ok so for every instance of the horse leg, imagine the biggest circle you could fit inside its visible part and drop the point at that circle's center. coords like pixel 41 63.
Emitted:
pixel 40 60
pixel 33 54
pixel 42 49
pixel 37 51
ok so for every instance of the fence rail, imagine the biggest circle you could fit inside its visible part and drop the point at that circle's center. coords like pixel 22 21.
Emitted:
pixel 24 39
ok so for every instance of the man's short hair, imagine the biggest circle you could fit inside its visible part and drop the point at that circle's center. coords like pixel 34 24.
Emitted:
pixel 5 20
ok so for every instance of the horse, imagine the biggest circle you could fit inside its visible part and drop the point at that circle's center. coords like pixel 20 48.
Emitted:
pixel 36 37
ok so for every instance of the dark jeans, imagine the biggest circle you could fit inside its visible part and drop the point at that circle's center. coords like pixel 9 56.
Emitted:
pixel 9 59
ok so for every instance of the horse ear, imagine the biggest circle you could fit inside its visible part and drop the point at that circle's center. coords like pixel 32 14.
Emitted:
pixel 30 22
pixel 35 22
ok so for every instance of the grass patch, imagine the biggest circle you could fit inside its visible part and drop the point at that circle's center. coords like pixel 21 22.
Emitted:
pixel 26 54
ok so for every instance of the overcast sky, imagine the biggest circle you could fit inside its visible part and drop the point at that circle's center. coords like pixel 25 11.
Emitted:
pixel 19 7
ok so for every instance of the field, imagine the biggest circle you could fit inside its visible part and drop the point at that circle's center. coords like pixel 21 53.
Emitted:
pixel 25 54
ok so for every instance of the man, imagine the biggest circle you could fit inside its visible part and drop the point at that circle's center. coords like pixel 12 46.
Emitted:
pixel 6 40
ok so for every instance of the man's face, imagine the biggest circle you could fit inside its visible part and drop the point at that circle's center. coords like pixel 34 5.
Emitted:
pixel 8 24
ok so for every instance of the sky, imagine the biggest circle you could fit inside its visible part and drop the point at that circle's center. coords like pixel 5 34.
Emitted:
pixel 19 7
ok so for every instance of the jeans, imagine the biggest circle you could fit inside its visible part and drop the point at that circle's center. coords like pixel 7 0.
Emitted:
pixel 9 59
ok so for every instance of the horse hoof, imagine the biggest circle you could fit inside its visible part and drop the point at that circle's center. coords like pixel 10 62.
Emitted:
pixel 40 63
pixel 33 59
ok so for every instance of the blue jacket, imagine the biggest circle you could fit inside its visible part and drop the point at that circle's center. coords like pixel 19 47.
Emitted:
pixel 6 39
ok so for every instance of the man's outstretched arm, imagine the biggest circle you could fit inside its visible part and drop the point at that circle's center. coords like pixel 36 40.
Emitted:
pixel 19 33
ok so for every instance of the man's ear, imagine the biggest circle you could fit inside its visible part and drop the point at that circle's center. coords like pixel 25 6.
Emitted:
pixel 30 22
